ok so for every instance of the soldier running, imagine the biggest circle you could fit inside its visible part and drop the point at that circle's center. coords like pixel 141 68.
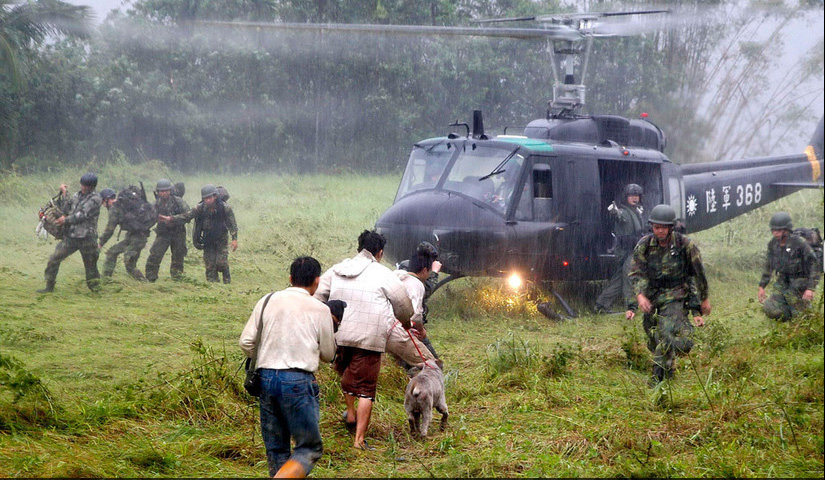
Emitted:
pixel 168 236
pixel 131 245
pixel 669 281
pixel 794 262
pixel 80 214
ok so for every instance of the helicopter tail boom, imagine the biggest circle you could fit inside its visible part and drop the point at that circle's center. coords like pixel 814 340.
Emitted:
pixel 718 191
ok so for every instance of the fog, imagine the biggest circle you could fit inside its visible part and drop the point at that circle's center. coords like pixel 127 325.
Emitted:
pixel 751 91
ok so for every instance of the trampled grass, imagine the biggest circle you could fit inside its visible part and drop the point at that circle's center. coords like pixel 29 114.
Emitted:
pixel 142 379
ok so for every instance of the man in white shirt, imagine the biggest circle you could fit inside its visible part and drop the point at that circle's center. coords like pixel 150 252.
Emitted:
pixel 287 333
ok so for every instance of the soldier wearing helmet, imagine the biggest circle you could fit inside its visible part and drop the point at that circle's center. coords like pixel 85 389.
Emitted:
pixel 794 263
pixel 80 214
pixel 628 227
pixel 168 237
pixel 214 224
pixel 669 282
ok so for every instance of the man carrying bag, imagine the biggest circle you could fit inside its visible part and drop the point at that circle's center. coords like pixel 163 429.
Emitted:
pixel 287 333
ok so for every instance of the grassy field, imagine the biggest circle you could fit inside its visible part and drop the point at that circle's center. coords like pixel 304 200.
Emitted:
pixel 142 380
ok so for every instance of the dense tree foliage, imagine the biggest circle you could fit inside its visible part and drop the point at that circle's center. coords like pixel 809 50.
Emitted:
pixel 157 83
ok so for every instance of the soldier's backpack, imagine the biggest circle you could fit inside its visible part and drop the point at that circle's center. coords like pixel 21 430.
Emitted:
pixel 48 214
pixel 223 193
pixel 814 239
pixel 138 214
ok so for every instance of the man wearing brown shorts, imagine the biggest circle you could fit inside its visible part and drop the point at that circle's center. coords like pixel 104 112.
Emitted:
pixel 374 297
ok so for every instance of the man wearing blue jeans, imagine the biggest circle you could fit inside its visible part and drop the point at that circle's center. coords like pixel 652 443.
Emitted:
pixel 287 334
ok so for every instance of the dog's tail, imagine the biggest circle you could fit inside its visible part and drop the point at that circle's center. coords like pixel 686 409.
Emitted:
pixel 416 391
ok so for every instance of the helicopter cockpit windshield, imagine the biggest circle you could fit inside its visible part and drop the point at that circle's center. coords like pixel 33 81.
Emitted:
pixel 484 173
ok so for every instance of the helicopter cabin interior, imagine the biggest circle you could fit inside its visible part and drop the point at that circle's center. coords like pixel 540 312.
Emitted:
pixel 614 175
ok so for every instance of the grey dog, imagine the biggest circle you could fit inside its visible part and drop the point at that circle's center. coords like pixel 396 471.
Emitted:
pixel 425 391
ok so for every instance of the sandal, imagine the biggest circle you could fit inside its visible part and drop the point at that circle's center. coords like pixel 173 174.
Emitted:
pixel 366 446
pixel 350 425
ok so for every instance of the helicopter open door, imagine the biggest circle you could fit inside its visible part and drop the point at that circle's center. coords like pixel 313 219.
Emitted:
pixel 614 175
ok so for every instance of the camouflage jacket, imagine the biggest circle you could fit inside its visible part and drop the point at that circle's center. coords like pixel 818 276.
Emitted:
pixel 172 206
pixel 82 212
pixel 219 219
pixel 628 227
pixel 671 273
pixel 794 264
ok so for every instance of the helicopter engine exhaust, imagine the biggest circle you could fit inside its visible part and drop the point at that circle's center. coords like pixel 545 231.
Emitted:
pixel 478 125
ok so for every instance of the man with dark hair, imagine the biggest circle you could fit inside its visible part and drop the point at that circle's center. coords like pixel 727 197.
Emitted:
pixel 80 214
pixel 419 274
pixel 287 333
pixel 168 237
pixel 375 298
pixel 214 224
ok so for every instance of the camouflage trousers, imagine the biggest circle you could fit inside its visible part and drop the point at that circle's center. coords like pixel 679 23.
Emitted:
pixel 130 247
pixel 216 259
pixel 785 302
pixel 175 242
pixel 88 252
pixel 669 332
pixel 618 286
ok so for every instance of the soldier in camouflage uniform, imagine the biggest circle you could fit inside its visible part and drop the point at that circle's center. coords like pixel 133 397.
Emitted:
pixel 80 217
pixel 794 262
pixel 168 236
pixel 628 228
pixel 131 245
pixel 217 224
pixel 669 281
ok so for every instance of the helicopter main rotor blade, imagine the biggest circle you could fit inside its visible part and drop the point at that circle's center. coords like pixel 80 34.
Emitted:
pixel 551 32
pixel 571 17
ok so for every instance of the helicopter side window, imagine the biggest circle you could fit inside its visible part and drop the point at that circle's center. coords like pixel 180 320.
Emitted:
pixel 543 192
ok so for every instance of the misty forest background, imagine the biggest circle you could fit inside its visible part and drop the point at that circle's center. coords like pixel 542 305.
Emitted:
pixel 150 83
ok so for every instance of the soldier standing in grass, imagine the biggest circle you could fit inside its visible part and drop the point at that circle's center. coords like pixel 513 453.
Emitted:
pixel 669 282
pixel 168 236
pixel 794 262
pixel 80 214
pixel 131 245
pixel 628 228
pixel 214 224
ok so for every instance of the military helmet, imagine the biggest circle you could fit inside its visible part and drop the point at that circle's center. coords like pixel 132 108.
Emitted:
pixel 781 221
pixel 633 189
pixel 107 193
pixel 663 215
pixel 88 180
pixel 164 184
pixel 208 190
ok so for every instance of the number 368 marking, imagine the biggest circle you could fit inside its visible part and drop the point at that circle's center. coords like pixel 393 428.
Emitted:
pixel 748 194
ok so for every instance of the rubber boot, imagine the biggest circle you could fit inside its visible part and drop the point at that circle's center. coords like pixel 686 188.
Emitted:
pixel 291 469
pixel 658 376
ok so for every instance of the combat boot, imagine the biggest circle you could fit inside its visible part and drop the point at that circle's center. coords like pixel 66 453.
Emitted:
pixel 49 288
pixel 658 376
pixel 226 277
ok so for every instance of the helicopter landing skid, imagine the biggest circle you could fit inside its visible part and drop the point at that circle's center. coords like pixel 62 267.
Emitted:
pixel 547 311
pixel 446 281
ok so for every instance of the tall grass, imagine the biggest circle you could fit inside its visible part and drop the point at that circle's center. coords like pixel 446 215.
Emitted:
pixel 143 379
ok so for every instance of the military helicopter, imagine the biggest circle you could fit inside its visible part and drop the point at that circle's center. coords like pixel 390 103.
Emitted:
pixel 535 203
